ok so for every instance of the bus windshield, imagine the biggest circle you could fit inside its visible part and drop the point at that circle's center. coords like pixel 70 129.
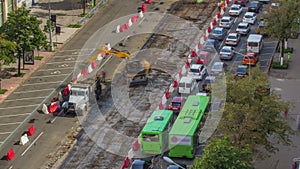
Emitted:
pixel 151 137
pixel 252 44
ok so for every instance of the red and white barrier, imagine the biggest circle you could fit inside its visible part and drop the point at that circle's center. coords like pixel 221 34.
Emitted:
pixel 10 155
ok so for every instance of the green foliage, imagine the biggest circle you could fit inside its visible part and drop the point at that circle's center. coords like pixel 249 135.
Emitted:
pixel 82 14
pixel 38 57
pixel 252 119
pixel 74 26
pixel 24 30
pixel 2 91
pixel 276 65
pixel 220 153
pixel 47 27
pixel 7 51
pixel 282 21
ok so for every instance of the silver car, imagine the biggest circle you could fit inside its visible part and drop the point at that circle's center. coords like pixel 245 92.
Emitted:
pixel 233 39
pixel 226 53
pixel 243 28
pixel 226 22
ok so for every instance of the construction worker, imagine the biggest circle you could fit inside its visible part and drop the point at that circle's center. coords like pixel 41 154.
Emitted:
pixel 103 75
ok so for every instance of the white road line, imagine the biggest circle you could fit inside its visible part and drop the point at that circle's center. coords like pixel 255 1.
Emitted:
pixel 16 107
pixel 6 124
pixel 40 83
pixel 32 143
pixel 59 68
pixel 13 115
pixel 66 61
pixel 4 133
pixel 30 91
pixel 270 42
pixel 33 77
pixel 26 98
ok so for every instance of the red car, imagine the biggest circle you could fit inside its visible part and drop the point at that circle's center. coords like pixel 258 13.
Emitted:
pixel 204 57
pixel 254 6
pixel 176 104
pixel 241 2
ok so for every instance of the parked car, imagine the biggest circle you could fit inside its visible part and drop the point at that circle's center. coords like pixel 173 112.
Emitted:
pixel 241 2
pixel 249 17
pixel 235 10
pixel 186 85
pixel 226 53
pixel 254 6
pixel 226 22
pixel 210 45
pixel 243 28
pixel 241 71
pixel 250 59
pixel 204 57
pixel 218 33
pixel 176 104
pixel 197 71
pixel 218 68
pixel 233 39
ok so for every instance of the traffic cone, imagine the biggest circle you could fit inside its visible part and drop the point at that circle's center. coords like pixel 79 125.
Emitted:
pixel 143 7
pixel 187 63
pixel 208 28
pixel 175 84
pixel 149 1
pixel 10 155
pixel 167 94
pixel 160 106
pixel 214 22
pixel 219 15
pixel 193 54
pixel 180 73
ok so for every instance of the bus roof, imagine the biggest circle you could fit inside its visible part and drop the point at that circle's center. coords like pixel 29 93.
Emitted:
pixel 254 38
pixel 190 116
pixel 158 121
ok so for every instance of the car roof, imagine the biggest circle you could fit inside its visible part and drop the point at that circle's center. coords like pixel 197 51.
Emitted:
pixel 211 40
pixel 250 13
pixel 227 47
pixel 244 23
pixel 196 66
pixel 203 52
pixel 233 33
pixel 235 5
pixel 219 28
pixel 177 99
pixel 218 63
pixel 226 17
pixel 242 66
pixel 186 79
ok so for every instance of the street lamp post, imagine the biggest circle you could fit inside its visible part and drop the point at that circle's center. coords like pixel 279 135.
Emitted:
pixel 50 27
pixel 247 58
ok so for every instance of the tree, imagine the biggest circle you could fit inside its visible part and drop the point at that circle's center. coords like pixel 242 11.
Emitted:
pixel 220 153
pixel 283 22
pixel 25 31
pixel 7 51
pixel 253 115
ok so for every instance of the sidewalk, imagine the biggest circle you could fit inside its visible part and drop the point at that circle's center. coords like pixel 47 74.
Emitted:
pixel 68 12
pixel 286 83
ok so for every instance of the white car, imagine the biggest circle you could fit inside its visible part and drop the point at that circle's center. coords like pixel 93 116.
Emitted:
pixel 249 17
pixel 186 85
pixel 243 28
pixel 235 10
pixel 233 39
pixel 226 22
pixel 218 68
pixel 226 53
pixel 197 71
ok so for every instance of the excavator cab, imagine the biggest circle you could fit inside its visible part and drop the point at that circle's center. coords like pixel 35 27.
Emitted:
pixel 121 54
pixel 137 72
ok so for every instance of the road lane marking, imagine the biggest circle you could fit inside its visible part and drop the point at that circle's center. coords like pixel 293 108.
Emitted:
pixel 2 133
pixel 30 91
pixel 32 143
pixel 26 98
pixel 40 83
pixel 6 124
pixel 34 77
pixel 13 115
pixel 50 63
pixel 59 68
pixel 16 107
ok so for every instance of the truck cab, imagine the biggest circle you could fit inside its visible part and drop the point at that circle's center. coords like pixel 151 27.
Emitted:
pixel 186 85
pixel 176 104
pixel 79 97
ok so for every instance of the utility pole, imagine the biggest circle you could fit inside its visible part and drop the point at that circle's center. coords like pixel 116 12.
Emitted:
pixel 50 27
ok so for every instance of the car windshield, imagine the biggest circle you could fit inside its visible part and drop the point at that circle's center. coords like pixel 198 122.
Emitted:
pixel 235 8
pixel 249 57
pixel 194 70
pixel 217 32
pixel 176 104
pixel 202 56
pixel 242 27
pixel 231 37
pixel 241 70
pixel 248 16
pixel 254 44
pixel 225 50
pixel 224 20
pixel 253 4
pixel 217 67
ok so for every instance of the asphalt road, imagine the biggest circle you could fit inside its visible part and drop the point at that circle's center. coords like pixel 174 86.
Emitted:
pixel 24 103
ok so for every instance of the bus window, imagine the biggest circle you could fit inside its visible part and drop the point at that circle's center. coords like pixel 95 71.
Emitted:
pixel 151 137
pixel 252 44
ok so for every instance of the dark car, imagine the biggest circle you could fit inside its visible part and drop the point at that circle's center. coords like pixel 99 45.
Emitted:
pixel 138 164
pixel 242 71
pixel 210 45
pixel 241 2
pixel 254 6
pixel 218 33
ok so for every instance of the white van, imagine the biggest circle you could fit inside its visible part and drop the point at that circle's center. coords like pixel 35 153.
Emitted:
pixel 254 43
pixel 186 85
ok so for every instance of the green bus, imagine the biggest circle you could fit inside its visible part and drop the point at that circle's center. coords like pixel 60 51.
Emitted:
pixel 154 136
pixel 183 137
